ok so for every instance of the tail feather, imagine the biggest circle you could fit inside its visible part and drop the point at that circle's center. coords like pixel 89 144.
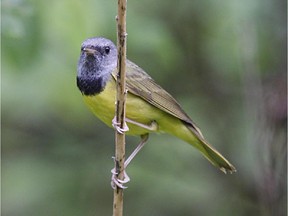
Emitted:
pixel 216 158
pixel 210 153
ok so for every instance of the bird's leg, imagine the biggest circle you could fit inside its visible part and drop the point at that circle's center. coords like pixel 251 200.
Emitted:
pixel 120 183
pixel 153 126
pixel 144 138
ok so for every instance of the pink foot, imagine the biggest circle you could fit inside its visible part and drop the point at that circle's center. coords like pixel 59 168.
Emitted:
pixel 116 126
pixel 120 183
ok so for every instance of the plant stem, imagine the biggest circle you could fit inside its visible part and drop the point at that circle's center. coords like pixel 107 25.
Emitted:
pixel 120 106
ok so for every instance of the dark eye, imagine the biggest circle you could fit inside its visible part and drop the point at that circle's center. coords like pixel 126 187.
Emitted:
pixel 107 50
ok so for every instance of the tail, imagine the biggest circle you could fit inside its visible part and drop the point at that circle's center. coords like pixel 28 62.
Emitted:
pixel 209 152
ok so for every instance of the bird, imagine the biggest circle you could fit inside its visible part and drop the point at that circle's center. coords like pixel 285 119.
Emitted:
pixel 149 108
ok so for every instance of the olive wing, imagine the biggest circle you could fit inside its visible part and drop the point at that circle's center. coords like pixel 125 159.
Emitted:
pixel 139 83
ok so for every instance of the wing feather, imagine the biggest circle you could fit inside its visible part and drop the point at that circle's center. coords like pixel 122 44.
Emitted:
pixel 139 83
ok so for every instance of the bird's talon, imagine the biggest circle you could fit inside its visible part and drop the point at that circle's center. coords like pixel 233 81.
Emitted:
pixel 114 172
pixel 120 183
pixel 116 125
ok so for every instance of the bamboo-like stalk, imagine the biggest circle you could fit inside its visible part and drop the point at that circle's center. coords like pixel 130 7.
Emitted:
pixel 120 106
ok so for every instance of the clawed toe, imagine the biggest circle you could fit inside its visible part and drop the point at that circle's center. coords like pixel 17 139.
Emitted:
pixel 115 181
pixel 116 125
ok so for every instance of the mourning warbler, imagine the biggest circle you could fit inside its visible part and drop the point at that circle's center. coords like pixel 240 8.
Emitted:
pixel 149 108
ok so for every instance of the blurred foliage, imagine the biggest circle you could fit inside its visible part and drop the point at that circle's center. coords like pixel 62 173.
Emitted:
pixel 225 61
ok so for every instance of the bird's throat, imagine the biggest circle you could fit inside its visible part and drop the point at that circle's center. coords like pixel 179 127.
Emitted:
pixel 90 85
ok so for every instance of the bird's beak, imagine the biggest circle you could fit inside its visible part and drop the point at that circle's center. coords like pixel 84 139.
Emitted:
pixel 89 51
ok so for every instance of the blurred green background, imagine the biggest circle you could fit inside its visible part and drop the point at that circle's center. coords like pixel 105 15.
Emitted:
pixel 224 61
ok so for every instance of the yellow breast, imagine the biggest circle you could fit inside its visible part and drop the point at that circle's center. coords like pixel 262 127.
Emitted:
pixel 103 107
